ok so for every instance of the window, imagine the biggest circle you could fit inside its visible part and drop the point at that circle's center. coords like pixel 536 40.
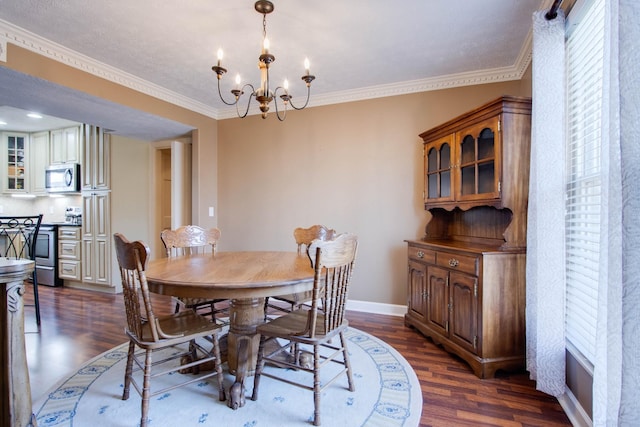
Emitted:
pixel 584 64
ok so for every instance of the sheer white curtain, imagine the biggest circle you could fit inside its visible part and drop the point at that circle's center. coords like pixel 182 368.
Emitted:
pixel 616 383
pixel 545 229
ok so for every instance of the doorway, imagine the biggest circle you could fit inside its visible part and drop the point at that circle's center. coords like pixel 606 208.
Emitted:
pixel 172 187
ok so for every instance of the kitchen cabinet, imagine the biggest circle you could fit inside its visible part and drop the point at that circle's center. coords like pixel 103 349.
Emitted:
pixel 38 160
pixel 69 253
pixel 96 238
pixel 15 162
pixel 466 275
pixel 96 207
pixel 96 163
pixel 65 145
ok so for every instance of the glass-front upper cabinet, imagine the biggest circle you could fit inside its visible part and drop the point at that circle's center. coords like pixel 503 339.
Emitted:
pixel 438 176
pixel 478 165
pixel 463 166
pixel 15 168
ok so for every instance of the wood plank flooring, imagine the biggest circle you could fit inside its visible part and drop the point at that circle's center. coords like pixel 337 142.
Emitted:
pixel 79 325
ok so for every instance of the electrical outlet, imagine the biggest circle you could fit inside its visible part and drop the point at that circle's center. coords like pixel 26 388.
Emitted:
pixel 210 210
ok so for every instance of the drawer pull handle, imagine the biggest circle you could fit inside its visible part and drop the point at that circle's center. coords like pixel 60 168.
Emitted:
pixel 453 262
pixel 420 254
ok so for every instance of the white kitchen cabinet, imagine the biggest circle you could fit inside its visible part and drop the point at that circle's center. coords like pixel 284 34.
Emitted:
pixel 65 145
pixel 69 253
pixel 14 165
pixel 96 159
pixel 96 238
pixel 38 161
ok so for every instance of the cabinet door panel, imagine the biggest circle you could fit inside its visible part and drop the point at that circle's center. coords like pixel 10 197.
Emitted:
pixel 464 310
pixel 479 161
pixel 438 299
pixel 417 296
pixel 437 164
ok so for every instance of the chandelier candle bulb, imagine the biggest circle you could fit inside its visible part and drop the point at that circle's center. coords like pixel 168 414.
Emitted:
pixel 238 81
pixel 307 66
pixel 220 55
pixel 265 46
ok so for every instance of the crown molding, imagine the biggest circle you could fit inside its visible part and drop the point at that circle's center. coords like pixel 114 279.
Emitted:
pixel 13 34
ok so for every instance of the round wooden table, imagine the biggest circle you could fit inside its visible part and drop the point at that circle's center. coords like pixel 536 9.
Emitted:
pixel 245 278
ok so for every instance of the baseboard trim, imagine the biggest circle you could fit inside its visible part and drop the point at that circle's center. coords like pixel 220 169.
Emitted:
pixel 377 308
pixel 574 410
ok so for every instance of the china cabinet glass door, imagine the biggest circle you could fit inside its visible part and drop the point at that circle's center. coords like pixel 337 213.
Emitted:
pixel 438 166
pixel 479 162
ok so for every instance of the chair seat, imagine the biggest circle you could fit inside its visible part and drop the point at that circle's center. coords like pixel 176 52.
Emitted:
pixel 182 324
pixel 291 326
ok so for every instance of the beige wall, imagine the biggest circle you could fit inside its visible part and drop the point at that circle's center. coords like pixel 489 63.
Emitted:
pixel 354 167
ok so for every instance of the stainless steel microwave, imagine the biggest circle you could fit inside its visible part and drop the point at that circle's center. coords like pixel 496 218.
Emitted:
pixel 63 178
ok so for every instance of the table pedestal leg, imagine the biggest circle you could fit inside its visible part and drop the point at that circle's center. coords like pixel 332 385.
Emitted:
pixel 15 408
pixel 244 316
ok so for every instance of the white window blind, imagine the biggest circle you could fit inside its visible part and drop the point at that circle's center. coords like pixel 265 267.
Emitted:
pixel 584 58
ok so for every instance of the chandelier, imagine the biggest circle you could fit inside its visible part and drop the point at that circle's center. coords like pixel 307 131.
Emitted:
pixel 263 95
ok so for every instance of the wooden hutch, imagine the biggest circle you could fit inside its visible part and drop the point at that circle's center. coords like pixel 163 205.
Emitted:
pixel 466 276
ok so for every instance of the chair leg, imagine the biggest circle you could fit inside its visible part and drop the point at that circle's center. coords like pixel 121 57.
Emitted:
pixel 146 389
pixel 259 367
pixel 35 297
pixel 347 362
pixel 316 385
pixel 218 365
pixel 128 371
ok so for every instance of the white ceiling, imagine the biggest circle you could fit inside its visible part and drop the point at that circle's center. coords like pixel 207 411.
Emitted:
pixel 358 49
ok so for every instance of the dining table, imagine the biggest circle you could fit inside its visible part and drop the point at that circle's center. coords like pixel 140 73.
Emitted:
pixel 246 278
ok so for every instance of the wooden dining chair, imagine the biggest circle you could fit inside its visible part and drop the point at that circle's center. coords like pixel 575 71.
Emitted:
pixel 18 238
pixel 187 240
pixel 151 333
pixel 303 237
pixel 310 330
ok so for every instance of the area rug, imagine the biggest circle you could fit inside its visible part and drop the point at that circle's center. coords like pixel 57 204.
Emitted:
pixel 387 394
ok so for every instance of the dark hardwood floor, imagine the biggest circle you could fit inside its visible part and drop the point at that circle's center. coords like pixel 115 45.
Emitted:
pixel 79 325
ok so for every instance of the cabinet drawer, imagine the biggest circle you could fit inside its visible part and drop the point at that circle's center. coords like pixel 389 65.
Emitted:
pixel 420 254
pixel 69 233
pixel 69 269
pixel 466 263
pixel 69 249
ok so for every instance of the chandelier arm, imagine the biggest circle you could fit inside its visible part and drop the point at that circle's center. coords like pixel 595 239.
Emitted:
pixel 246 111
pixel 305 103
pixel 222 98
pixel 285 97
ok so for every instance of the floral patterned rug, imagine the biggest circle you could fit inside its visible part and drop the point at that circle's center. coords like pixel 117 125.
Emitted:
pixel 387 394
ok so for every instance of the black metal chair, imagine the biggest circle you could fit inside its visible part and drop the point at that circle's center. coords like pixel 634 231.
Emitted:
pixel 18 237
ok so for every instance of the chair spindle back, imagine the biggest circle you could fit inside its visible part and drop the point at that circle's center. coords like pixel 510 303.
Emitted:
pixel 333 264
